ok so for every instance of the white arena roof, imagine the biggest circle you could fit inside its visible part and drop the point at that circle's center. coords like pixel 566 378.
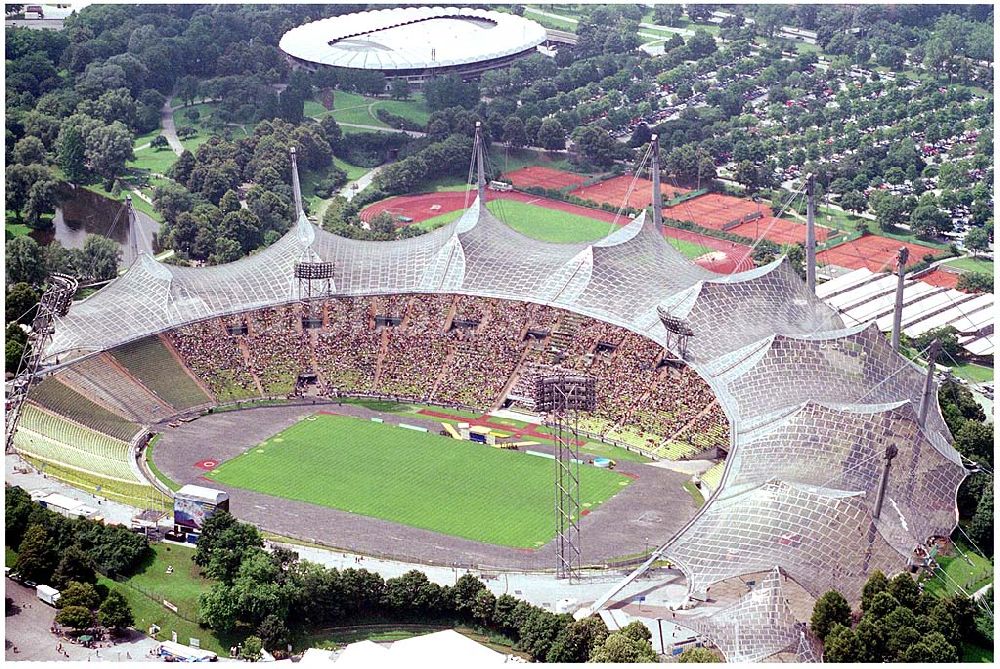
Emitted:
pixel 412 38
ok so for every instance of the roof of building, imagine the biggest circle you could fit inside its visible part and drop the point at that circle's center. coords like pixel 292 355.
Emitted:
pixel 813 401
pixel 201 492
pixel 407 38
pixel 446 647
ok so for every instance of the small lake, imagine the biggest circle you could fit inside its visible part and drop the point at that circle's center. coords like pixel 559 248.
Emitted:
pixel 82 212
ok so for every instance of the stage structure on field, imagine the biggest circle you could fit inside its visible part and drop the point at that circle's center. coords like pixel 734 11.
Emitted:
pixel 811 403
pixel 562 398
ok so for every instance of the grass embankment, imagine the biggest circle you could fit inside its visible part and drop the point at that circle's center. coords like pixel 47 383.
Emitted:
pixel 147 589
pixel 967 264
pixel 153 468
pixel 414 478
pixel 354 109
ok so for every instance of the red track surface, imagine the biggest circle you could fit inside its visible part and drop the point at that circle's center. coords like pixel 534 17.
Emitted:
pixel 871 251
pixel 418 207
pixel 942 278
pixel 545 177
pixel 613 192
pixel 713 210
pixel 778 230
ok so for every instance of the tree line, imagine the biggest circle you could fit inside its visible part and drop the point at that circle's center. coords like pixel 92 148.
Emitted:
pixel 276 597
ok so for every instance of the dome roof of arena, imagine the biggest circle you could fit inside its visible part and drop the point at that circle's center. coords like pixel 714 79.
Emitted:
pixel 412 38
pixel 812 405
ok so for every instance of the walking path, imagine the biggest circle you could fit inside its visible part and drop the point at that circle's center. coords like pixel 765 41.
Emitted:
pixel 169 130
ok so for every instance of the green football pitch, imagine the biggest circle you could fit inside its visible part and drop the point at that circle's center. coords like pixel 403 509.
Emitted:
pixel 419 479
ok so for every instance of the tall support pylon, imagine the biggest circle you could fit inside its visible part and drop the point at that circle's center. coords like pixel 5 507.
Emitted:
pixel 296 187
pixel 811 233
pixel 897 314
pixel 654 169
pixel 480 165
pixel 890 452
pixel 928 397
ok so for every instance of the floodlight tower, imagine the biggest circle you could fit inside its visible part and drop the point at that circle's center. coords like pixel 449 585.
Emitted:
pixel 654 169
pixel 296 187
pixel 678 332
pixel 133 228
pixel 811 233
pixel 897 312
pixel 564 397
pixel 315 278
pixel 480 164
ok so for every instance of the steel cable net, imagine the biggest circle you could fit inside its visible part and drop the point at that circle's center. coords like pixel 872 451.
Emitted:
pixel 758 625
pixel 761 341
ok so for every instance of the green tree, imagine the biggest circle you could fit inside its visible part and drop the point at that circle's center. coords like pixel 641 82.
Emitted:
pixel 841 644
pixel 698 655
pixel 100 258
pixel 929 221
pixel 483 607
pixel 975 282
pixel 875 584
pixel 72 151
pixel 24 261
pixel 42 200
pixel 109 147
pixel 251 649
pixel 830 609
pixel 217 608
pixel 981 527
pixel 623 648
pixel 551 135
pixel 20 303
pixel 933 647
pixel 854 201
pixel 400 89
pixel 80 594
pixel 273 633
pixel 976 240
pixel 596 145
pixel 115 612
pixel 78 618
pixel 514 134
pixel 13 351
pixel 29 151
pixel 36 557
pixel 18 182
pixel 578 640
pixel 464 593
pixel 74 566
pixel 890 210
pixel 187 88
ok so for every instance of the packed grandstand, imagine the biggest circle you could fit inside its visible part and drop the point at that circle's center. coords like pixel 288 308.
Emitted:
pixel 468 314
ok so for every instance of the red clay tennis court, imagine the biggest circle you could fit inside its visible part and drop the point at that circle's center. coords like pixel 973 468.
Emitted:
pixel 544 177
pixel 714 211
pixel 871 251
pixel 778 230
pixel 612 191
pixel 942 278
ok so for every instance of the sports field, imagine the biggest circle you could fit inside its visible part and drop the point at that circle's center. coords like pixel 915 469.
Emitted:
pixel 413 478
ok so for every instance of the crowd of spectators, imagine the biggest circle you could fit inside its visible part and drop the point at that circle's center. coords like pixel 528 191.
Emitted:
pixel 215 357
pixel 458 350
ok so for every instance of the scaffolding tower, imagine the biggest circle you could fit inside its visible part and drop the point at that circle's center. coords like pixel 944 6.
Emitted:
pixel 55 302
pixel 563 397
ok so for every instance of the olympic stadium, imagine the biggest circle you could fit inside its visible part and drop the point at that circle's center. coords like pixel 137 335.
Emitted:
pixel 838 460
pixel 415 43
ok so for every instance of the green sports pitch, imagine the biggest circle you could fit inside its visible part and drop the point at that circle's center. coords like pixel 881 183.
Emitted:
pixel 414 478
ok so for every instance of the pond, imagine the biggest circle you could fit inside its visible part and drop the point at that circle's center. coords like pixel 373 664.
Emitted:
pixel 82 212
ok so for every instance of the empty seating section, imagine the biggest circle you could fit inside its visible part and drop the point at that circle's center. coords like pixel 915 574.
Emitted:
pixel 348 347
pixel 155 366
pixel 216 358
pixel 64 401
pixel 49 438
pixel 712 476
pixel 277 348
pixel 99 378
pixel 417 350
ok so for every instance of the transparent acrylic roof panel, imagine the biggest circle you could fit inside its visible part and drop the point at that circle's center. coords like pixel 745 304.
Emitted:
pixel 758 625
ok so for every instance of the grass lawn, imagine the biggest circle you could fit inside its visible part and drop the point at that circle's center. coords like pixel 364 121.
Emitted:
pixel 414 478
pixel 363 110
pixel 147 589
pixel 972 372
pixel 972 653
pixel 154 160
pixel 354 172
pixel 137 202
pixel 547 225
pixel 970 577
pixel 984 265
pixel 9 556
pixel 12 228
pixel 507 160
pixel 690 250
